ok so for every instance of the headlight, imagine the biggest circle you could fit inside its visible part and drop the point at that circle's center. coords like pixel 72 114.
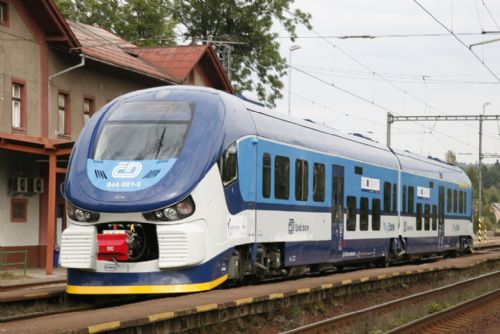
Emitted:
pixel 174 212
pixel 80 215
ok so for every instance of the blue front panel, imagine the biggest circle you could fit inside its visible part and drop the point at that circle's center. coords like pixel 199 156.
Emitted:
pixel 202 273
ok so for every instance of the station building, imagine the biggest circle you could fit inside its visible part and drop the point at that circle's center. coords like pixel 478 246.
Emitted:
pixel 54 74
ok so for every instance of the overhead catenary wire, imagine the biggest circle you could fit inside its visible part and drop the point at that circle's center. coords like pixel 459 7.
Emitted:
pixel 491 15
pixel 458 39
pixel 405 92
pixel 362 98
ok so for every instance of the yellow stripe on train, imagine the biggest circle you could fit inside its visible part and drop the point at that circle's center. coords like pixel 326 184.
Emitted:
pixel 143 289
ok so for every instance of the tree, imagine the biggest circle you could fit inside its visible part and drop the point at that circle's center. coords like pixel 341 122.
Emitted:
pixel 248 25
pixel 244 25
pixel 143 22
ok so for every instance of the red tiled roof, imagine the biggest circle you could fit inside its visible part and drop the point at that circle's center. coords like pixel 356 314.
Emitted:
pixel 104 46
pixel 178 61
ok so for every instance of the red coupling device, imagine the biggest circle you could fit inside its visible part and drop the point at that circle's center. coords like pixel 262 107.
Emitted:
pixel 112 245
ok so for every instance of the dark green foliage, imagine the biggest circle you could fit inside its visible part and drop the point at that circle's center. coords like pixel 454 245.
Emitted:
pixel 143 22
pixel 255 64
pixel 248 23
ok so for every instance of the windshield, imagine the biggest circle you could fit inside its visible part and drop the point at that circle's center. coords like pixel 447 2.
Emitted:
pixel 144 131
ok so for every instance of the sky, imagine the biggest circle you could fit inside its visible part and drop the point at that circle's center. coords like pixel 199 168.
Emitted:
pixel 410 75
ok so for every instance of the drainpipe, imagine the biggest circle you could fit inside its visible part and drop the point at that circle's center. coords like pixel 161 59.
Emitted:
pixel 51 212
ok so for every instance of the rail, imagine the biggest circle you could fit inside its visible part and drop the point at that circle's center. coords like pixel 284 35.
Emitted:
pixel 4 259
pixel 339 322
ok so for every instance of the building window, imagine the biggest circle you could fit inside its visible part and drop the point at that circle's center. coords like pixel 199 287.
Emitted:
pixel 319 182
pixel 281 177
pixel 18 210
pixel 4 12
pixel 88 109
pixel 351 213
pixel 266 175
pixel 375 215
pixel 63 107
pixel 301 180
pixel 18 105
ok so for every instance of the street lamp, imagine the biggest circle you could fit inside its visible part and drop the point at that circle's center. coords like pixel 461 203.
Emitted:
pixel 292 48
pixel 480 182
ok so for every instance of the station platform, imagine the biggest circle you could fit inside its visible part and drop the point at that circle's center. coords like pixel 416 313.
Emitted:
pixel 35 276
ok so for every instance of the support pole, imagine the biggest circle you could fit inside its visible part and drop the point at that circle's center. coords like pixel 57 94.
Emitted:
pixel 51 215
pixel 389 123
pixel 480 181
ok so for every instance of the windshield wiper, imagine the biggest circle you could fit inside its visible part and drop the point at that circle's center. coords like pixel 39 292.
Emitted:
pixel 159 143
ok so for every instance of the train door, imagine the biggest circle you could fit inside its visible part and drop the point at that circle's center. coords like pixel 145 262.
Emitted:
pixel 338 208
pixel 441 218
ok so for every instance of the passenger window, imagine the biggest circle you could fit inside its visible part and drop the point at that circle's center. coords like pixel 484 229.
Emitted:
pixel 358 170
pixel 411 200
pixel 427 217
pixel 363 214
pixel 465 202
pixel 266 175
pixel 394 198
pixel 281 177
pixel 351 213
pixel 319 182
pixel 419 217
pixel 404 199
pixel 301 180
pixel 375 215
pixel 387 197
pixel 461 203
pixel 448 201
pixel 434 217
pixel 455 201
pixel 229 165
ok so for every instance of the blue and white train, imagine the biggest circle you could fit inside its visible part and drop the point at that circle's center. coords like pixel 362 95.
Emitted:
pixel 179 189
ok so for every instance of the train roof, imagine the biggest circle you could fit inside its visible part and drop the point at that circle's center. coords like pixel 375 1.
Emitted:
pixel 315 136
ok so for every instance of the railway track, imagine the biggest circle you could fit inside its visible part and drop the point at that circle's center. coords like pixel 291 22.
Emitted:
pixel 374 319
pixel 455 318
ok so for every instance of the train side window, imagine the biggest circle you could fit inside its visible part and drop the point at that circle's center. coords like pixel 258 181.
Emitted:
pixel 376 215
pixel 448 201
pixel 266 175
pixel 411 199
pixel 434 217
pixel 394 198
pixel 319 182
pixel 419 217
pixel 229 164
pixel 465 202
pixel 281 177
pixel 363 214
pixel 301 179
pixel 461 202
pixel 455 201
pixel 404 199
pixel 358 170
pixel 351 213
pixel 427 217
pixel 387 197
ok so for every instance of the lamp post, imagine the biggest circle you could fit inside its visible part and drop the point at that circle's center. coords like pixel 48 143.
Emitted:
pixel 480 181
pixel 292 48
